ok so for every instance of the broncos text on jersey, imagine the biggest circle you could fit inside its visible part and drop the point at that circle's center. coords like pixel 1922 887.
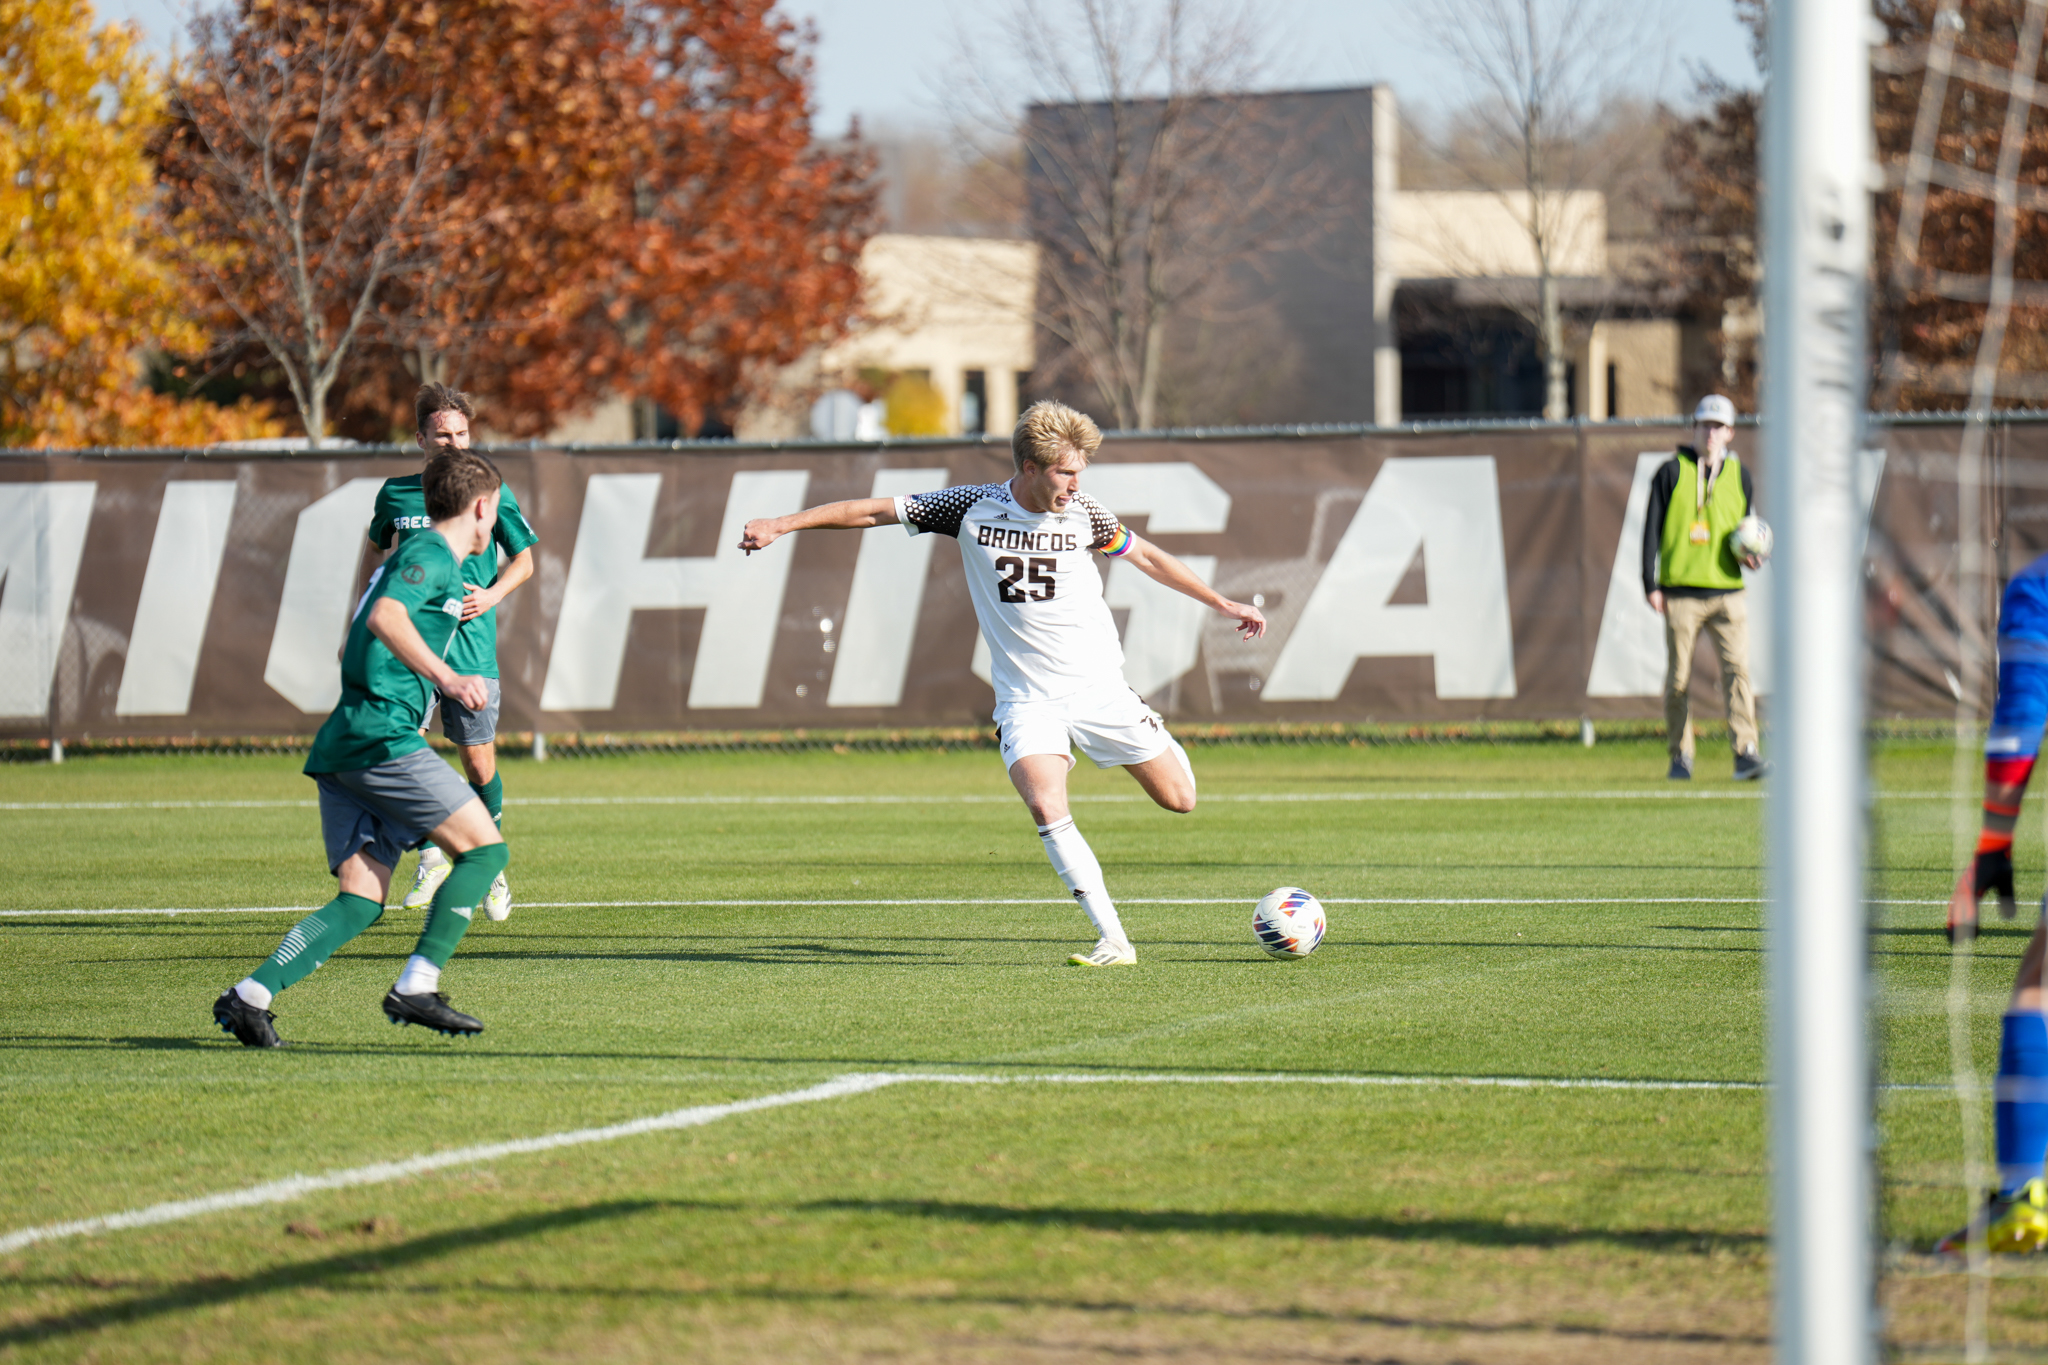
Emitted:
pixel 1034 583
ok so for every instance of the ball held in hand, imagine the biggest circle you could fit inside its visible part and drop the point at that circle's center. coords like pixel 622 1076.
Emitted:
pixel 1752 538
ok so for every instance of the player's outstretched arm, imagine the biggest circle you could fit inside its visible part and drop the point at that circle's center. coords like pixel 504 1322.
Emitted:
pixel 854 515
pixel 389 623
pixel 1162 567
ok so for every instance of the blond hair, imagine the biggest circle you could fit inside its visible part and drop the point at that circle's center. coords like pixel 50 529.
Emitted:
pixel 1048 432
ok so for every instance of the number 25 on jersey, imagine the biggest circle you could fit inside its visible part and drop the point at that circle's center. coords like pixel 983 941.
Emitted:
pixel 1013 570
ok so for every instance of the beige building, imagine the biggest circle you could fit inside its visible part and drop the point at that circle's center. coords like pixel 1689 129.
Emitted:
pixel 1467 254
pixel 954 311
pixel 958 311
pixel 1434 321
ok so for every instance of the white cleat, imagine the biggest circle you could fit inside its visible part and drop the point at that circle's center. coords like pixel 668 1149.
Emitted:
pixel 434 869
pixel 498 904
pixel 1107 954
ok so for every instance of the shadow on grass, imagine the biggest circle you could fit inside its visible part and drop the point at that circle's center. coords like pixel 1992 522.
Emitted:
pixel 213 1290
pixel 340 1273
pixel 1468 1231
pixel 1396 1321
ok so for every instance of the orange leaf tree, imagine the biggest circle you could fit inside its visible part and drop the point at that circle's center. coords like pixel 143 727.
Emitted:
pixel 656 219
pixel 626 201
pixel 1935 225
pixel 308 137
pixel 82 292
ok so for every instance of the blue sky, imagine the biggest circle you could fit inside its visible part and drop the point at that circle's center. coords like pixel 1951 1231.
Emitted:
pixel 882 58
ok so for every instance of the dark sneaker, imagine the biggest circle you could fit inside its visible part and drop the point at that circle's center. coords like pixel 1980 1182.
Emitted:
pixel 1681 771
pixel 431 1011
pixel 250 1025
pixel 1748 767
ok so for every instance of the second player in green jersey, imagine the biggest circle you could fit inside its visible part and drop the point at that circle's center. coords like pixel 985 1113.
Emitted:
pixel 442 416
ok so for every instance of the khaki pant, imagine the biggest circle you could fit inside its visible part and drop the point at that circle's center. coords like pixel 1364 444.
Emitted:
pixel 1726 621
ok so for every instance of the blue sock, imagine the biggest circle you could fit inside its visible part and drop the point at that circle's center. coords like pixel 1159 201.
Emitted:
pixel 2022 1100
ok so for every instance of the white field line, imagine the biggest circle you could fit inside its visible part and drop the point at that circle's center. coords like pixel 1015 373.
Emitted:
pixel 1251 798
pixel 1053 900
pixel 383 1172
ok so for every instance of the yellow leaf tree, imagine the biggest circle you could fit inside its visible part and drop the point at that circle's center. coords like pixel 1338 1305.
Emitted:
pixel 82 295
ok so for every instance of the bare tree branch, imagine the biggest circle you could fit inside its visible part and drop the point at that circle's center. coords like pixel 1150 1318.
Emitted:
pixel 1544 73
pixel 1151 179
pixel 297 175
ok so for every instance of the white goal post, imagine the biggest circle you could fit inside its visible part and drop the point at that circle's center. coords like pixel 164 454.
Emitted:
pixel 1817 184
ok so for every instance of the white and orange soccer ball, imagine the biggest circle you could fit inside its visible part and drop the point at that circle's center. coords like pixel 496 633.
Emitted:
pixel 1289 923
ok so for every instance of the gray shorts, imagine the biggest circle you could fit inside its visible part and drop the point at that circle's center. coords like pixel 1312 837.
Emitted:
pixel 464 726
pixel 385 810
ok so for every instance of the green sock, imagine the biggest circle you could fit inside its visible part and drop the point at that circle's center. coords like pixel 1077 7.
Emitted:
pixel 493 793
pixel 468 882
pixel 315 938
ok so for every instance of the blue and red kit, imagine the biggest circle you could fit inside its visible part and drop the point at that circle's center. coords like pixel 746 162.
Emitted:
pixel 2009 755
pixel 2015 740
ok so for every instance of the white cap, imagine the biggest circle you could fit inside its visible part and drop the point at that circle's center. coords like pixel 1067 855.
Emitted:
pixel 1715 408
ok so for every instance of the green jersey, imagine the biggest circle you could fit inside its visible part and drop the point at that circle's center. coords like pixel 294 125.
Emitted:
pixel 384 703
pixel 402 512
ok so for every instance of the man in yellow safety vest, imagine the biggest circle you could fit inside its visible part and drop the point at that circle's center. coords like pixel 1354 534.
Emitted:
pixel 1692 574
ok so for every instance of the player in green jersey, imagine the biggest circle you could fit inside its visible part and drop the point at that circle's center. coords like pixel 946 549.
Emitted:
pixel 382 790
pixel 441 418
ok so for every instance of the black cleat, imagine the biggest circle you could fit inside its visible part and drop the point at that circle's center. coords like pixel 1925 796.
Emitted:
pixel 429 1009
pixel 1748 767
pixel 1681 771
pixel 250 1025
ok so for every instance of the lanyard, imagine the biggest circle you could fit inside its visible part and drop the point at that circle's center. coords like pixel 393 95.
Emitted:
pixel 1702 487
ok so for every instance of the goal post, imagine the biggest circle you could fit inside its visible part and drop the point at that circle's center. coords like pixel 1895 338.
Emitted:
pixel 1817 183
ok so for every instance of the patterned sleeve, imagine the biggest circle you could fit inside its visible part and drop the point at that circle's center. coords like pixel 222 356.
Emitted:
pixel 1106 534
pixel 942 511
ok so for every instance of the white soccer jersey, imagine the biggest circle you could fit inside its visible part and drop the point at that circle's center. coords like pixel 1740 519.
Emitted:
pixel 1035 586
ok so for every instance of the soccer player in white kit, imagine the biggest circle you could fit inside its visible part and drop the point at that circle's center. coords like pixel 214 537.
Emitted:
pixel 1027 546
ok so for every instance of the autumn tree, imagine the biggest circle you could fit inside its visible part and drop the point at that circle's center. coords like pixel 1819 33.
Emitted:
pixel 547 202
pixel 1935 225
pixel 658 222
pixel 82 293
pixel 1941 94
pixel 307 136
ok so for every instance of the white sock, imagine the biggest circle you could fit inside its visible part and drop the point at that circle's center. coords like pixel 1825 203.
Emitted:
pixel 254 992
pixel 1075 862
pixel 420 977
pixel 431 856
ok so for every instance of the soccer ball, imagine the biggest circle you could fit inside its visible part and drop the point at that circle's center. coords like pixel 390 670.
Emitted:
pixel 1752 536
pixel 1289 923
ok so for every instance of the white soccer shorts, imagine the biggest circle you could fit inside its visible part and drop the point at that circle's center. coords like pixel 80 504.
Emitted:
pixel 1111 724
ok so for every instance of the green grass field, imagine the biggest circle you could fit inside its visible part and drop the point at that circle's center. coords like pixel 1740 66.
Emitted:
pixel 1096 1189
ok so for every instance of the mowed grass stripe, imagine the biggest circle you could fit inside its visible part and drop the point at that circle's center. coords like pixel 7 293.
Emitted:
pixel 839 1087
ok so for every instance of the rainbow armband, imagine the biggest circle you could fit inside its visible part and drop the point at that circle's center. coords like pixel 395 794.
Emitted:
pixel 1117 544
